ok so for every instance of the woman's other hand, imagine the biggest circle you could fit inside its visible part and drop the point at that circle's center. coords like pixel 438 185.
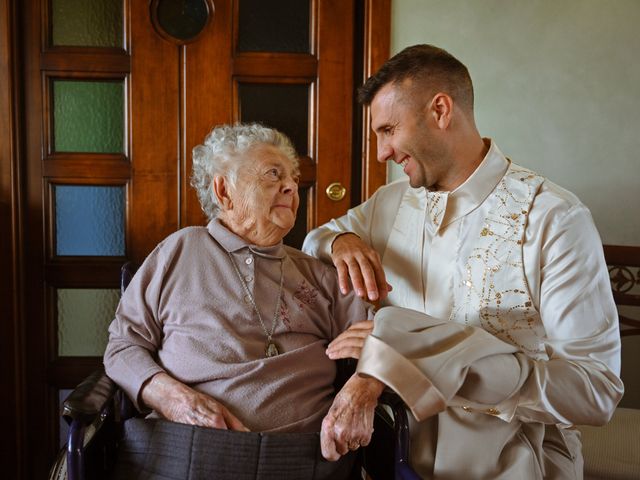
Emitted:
pixel 349 423
pixel 179 403
pixel 350 342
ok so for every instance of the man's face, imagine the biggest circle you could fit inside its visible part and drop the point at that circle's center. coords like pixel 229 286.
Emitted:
pixel 407 135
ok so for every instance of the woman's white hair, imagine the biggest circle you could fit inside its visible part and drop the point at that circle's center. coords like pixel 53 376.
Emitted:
pixel 222 154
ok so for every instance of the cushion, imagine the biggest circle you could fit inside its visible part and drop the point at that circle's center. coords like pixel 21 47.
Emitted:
pixel 612 452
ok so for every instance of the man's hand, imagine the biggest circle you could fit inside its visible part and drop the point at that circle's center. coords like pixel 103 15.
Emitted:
pixel 357 261
pixel 179 403
pixel 349 423
pixel 350 342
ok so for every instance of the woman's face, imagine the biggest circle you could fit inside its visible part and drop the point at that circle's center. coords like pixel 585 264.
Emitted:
pixel 264 202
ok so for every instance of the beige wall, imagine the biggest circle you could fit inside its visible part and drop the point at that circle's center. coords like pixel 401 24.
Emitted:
pixel 557 86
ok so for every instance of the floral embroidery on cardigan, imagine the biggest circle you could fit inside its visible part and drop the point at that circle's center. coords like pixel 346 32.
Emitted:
pixel 305 295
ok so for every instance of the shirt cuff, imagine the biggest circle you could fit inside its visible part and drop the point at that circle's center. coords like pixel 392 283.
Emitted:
pixel 382 362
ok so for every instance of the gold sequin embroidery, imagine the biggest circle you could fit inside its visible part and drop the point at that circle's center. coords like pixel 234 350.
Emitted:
pixel 492 291
pixel 436 206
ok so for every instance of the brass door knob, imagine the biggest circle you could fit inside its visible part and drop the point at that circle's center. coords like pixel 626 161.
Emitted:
pixel 336 191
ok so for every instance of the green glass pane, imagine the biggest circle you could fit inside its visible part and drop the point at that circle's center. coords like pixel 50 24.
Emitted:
pixel 86 23
pixel 88 116
pixel 84 315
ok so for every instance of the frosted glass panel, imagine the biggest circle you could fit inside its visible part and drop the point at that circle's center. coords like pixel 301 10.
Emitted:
pixel 84 316
pixel 88 116
pixel 296 235
pixel 89 220
pixel 262 102
pixel 274 26
pixel 86 23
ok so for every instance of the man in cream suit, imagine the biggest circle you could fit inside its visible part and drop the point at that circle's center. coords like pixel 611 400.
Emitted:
pixel 499 332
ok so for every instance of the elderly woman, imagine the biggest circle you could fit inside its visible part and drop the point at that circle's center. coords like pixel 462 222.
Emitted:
pixel 224 326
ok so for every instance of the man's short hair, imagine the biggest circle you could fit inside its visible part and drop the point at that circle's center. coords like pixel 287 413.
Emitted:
pixel 428 67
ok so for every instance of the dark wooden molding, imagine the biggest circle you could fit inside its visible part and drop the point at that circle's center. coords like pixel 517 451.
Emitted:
pixel 75 59
pixel 275 65
pixel 67 372
pixel 622 254
pixel 97 166
pixel 40 431
pixel 333 43
pixel 623 262
pixel 74 271
pixel 377 39
pixel 12 397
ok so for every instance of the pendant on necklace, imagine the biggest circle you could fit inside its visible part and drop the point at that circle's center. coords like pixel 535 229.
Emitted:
pixel 271 350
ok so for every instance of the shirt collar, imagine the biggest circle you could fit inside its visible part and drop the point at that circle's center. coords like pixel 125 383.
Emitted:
pixel 234 243
pixel 446 207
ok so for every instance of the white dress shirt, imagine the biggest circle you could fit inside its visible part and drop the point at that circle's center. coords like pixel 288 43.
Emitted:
pixel 572 377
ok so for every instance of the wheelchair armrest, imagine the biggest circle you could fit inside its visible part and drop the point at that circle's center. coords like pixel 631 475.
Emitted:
pixel 402 443
pixel 89 398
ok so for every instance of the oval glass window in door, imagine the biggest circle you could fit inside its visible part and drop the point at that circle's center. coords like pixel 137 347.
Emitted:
pixel 181 21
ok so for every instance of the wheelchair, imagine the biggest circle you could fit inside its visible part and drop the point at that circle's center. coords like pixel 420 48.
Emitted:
pixel 96 411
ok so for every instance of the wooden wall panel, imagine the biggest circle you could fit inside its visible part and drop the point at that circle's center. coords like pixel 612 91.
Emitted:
pixel 333 117
pixel 206 92
pixel 40 397
pixel 155 135
pixel 377 34
pixel 11 376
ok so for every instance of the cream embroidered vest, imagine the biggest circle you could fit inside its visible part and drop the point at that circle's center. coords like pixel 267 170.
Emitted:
pixel 489 284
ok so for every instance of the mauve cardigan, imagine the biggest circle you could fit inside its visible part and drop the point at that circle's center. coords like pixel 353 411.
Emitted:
pixel 185 312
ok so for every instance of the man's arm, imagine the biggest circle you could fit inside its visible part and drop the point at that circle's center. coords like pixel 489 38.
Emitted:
pixel 359 263
pixel 577 383
pixel 426 361
pixel 357 257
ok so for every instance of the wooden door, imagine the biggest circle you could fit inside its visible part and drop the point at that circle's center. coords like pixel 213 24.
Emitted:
pixel 110 121
pixel 180 91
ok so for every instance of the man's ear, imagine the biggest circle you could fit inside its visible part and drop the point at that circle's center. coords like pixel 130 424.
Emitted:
pixel 441 110
pixel 220 188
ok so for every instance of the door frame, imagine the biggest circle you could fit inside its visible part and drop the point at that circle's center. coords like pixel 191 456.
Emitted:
pixel 12 353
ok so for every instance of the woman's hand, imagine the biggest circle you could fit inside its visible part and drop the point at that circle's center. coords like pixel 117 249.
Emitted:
pixel 179 403
pixel 349 423
pixel 350 342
